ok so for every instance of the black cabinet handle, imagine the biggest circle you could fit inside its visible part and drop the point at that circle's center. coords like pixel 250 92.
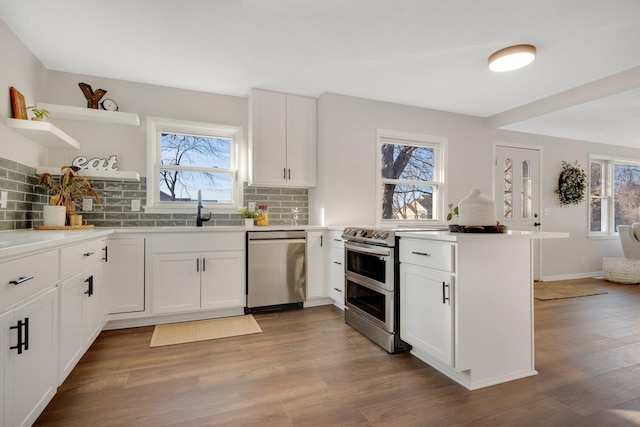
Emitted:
pixel 284 173
pixel 106 254
pixel 337 262
pixel 88 253
pixel 198 265
pixel 337 240
pixel 204 266
pixel 289 173
pixel 23 337
pixel 421 253
pixel 321 241
pixel 89 290
pixel 21 280
pixel 337 289
pixel 445 293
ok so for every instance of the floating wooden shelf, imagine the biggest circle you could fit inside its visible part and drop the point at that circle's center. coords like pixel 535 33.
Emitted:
pixel 90 114
pixel 104 175
pixel 44 133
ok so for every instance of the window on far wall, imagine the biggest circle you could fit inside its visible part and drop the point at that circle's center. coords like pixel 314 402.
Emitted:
pixel 614 194
pixel 410 176
pixel 186 159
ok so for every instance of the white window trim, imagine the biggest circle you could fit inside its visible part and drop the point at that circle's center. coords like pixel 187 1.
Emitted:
pixel 157 125
pixel 440 144
pixel 609 162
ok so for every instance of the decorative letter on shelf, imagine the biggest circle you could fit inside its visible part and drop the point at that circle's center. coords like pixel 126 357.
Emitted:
pixel 96 163
pixel 92 97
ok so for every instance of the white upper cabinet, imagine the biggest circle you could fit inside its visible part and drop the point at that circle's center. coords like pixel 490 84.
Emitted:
pixel 282 139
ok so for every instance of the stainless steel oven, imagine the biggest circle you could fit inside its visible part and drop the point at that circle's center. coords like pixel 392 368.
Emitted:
pixel 371 294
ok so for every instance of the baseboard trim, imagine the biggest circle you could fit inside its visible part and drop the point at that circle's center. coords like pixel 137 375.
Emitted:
pixel 596 274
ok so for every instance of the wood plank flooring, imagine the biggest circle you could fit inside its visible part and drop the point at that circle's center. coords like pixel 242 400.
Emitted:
pixel 308 368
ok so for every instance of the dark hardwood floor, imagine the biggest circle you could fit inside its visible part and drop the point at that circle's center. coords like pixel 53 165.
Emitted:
pixel 308 368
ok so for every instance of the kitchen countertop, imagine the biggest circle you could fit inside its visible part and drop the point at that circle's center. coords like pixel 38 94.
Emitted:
pixel 457 237
pixel 22 242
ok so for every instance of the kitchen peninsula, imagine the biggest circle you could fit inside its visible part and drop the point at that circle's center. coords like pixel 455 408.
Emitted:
pixel 466 303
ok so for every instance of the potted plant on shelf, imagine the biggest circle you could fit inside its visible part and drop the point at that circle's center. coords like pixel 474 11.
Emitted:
pixel 64 192
pixel 39 113
pixel 249 216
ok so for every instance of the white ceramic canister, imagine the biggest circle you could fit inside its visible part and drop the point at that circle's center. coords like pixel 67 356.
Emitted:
pixel 54 215
pixel 477 209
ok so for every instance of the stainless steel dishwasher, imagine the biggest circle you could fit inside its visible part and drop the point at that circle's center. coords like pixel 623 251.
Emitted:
pixel 277 273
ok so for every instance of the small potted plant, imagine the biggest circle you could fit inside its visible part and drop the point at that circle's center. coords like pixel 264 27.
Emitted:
pixel 249 216
pixel 64 192
pixel 453 211
pixel 39 113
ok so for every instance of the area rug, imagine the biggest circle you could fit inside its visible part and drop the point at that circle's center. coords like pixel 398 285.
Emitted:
pixel 202 330
pixel 559 290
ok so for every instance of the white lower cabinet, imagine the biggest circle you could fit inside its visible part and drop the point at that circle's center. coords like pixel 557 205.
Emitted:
pixel 426 315
pixel 316 256
pixel 27 360
pixel 124 274
pixel 466 305
pixel 336 268
pixel 186 277
pixel 81 317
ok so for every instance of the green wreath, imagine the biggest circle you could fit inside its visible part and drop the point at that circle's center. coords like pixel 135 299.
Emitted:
pixel 571 184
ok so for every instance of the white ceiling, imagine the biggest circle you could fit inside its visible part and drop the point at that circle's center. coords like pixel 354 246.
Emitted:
pixel 427 53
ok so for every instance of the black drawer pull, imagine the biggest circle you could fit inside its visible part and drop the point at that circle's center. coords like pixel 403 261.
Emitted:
pixel 338 290
pixel 23 337
pixel 88 253
pixel 89 290
pixel 337 240
pixel 420 253
pixel 445 293
pixel 337 262
pixel 21 280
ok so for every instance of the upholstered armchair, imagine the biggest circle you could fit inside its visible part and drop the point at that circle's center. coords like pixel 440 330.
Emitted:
pixel 627 269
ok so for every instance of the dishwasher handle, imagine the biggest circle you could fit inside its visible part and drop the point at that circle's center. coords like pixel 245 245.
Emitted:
pixel 272 241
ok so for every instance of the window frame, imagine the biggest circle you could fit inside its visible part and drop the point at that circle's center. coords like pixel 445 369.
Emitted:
pixel 608 193
pixel 439 145
pixel 155 128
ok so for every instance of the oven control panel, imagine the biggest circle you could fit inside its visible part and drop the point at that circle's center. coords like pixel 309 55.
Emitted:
pixel 368 235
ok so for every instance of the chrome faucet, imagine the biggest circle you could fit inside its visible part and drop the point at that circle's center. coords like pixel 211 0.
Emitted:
pixel 199 219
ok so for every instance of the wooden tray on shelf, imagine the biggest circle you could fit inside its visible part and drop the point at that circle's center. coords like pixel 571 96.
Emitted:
pixel 64 227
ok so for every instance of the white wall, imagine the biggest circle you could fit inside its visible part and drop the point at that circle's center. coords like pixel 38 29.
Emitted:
pixel 19 68
pixel 346 190
pixel 129 143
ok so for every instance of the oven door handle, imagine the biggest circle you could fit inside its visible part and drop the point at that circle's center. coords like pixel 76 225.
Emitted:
pixel 381 252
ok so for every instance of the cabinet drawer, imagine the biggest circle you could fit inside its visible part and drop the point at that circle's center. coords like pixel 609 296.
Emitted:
pixel 74 259
pixel 336 239
pixel 425 253
pixel 43 268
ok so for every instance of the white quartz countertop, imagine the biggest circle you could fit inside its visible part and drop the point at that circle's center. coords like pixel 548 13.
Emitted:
pixel 457 237
pixel 21 242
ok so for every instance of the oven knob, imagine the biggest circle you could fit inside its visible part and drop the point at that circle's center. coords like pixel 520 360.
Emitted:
pixel 384 235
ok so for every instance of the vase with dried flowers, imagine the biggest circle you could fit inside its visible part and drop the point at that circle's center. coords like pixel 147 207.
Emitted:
pixel 67 189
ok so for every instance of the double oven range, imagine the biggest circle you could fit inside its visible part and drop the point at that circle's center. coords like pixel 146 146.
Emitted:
pixel 372 298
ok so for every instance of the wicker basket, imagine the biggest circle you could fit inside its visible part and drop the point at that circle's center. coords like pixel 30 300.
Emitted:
pixel 621 270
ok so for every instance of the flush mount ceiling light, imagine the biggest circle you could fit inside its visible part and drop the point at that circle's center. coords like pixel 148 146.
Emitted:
pixel 512 57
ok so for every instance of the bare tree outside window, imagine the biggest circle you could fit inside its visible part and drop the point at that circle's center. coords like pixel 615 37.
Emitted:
pixel 189 163
pixel 407 181
pixel 626 194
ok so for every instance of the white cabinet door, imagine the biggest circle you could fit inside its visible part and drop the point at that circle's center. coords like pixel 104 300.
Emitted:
pixel 6 337
pixel 125 275
pixel 301 141
pixel 426 311
pixel 222 280
pixel 176 284
pixel 268 142
pixel 93 312
pixel 316 256
pixel 31 379
pixel 283 140
pixel 71 343
pixel 336 276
